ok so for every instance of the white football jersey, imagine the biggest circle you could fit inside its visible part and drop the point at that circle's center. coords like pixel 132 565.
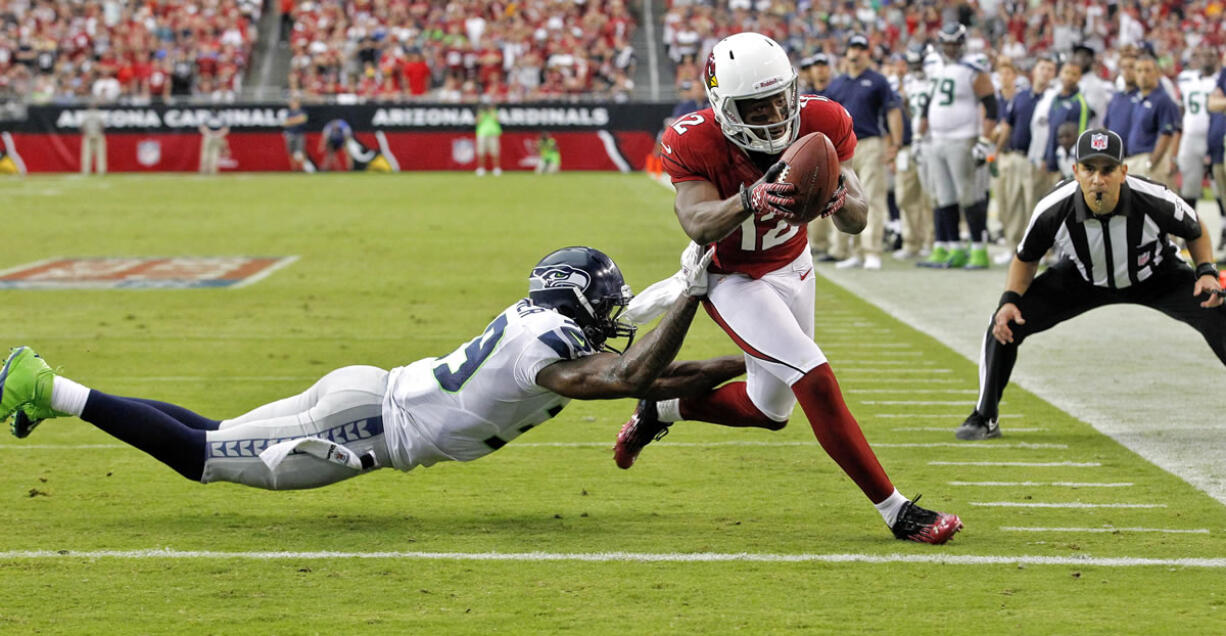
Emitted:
pixel 953 112
pixel 484 394
pixel 1194 88
pixel 915 87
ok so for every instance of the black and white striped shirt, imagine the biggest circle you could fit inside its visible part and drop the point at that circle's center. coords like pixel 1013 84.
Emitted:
pixel 1120 249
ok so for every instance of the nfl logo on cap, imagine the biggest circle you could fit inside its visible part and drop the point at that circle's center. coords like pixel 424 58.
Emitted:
pixel 1098 142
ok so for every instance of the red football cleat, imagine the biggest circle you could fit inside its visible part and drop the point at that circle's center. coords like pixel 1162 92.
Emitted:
pixel 643 427
pixel 925 526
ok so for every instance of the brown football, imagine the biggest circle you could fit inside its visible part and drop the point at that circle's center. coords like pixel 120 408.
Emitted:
pixel 812 165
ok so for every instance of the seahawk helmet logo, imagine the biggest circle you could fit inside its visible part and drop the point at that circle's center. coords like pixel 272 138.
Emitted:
pixel 1098 142
pixel 555 276
pixel 710 72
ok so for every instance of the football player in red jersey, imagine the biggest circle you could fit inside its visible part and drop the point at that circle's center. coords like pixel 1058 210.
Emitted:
pixel 723 161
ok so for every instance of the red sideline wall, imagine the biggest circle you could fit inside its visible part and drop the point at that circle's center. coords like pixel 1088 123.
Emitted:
pixel 265 151
pixel 166 138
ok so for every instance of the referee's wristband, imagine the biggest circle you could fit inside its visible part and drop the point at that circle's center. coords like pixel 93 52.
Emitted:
pixel 1206 269
pixel 1009 297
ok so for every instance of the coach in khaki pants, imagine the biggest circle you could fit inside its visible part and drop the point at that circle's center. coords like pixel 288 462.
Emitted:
pixel 1154 125
pixel 93 140
pixel 867 96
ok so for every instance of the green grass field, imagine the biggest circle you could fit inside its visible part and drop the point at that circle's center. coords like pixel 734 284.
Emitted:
pixel 714 530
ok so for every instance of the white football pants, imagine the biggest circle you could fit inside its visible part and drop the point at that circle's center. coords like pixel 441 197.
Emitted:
pixel 771 320
pixel 345 407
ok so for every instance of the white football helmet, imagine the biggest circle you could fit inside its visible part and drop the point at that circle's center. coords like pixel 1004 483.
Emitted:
pixel 745 67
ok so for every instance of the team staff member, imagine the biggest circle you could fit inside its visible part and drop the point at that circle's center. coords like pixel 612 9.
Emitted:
pixel 825 241
pixel 295 134
pixel 1155 121
pixel 1115 232
pixel 868 98
pixel 914 206
pixel 1016 187
pixel 1217 145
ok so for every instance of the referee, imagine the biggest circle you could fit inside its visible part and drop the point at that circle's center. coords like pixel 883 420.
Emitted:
pixel 1113 230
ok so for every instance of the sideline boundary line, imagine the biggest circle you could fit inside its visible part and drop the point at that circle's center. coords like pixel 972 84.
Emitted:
pixel 639 557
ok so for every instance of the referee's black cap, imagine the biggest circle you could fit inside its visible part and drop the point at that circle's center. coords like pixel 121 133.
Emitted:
pixel 1099 142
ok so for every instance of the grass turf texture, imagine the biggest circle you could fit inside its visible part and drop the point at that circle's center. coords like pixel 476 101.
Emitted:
pixel 395 268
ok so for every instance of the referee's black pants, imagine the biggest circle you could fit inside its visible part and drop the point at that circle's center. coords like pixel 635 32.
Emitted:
pixel 1060 293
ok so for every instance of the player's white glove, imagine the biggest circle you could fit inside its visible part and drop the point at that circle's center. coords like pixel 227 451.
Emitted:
pixel 982 151
pixel 694 262
pixel 658 297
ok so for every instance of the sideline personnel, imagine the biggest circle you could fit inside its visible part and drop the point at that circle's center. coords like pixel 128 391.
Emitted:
pixel 1113 229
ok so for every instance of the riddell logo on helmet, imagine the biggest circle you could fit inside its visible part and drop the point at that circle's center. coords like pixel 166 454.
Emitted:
pixel 767 83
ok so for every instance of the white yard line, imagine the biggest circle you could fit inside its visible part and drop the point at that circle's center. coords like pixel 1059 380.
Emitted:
pixel 1067 504
pixel 947 429
pixel 632 557
pixel 1020 464
pixel 1061 484
pixel 609 444
pixel 944 415
pixel 1107 530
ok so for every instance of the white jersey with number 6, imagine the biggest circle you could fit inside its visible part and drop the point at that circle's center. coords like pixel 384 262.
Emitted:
pixel 484 394
pixel 1195 89
pixel 953 110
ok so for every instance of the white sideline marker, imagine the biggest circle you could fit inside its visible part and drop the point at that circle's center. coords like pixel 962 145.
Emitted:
pixel 1109 530
pixel 1025 464
pixel 894 391
pixel 1059 484
pixel 918 403
pixel 945 415
pixel 938 429
pixel 1070 504
pixel 888 370
pixel 633 557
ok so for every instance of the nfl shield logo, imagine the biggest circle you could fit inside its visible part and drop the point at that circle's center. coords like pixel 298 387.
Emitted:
pixel 1098 142
pixel 148 152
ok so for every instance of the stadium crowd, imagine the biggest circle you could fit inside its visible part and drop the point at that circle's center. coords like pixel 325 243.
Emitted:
pixel 451 51
pixel 124 50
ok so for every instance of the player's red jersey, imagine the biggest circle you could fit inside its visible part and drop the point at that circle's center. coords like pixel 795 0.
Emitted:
pixel 695 149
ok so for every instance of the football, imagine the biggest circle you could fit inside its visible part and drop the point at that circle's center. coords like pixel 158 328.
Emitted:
pixel 812 165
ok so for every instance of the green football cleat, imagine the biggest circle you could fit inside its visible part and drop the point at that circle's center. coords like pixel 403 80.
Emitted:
pixel 978 259
pixel 958 258
pixel 936 259
pixel 25 390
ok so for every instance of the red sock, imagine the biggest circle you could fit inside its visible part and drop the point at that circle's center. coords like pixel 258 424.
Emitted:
pixel 728 405
pixel 838 432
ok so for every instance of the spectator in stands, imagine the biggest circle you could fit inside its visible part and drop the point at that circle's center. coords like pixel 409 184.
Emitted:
pixel 416 73
pixel 693 98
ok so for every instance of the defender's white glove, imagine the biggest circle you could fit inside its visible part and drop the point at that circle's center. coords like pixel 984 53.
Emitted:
pixel 694 261
pixel 657 298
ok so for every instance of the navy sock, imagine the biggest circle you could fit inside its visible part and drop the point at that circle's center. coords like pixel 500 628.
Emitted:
pixel 947 219
pixel 186 417
pixel 134 422
pixel 977 221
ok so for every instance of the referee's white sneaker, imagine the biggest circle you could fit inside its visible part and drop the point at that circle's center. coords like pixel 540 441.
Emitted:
pixel 977 427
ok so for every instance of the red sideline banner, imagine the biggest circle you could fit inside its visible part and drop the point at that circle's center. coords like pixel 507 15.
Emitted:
pixel 622 150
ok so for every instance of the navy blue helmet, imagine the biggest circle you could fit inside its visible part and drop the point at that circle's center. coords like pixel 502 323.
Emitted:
pixel 953 33
pixel 585 285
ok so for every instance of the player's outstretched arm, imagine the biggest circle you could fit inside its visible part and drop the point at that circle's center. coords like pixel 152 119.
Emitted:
pixel 631 374
pixel 689 378
pixel 853 216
